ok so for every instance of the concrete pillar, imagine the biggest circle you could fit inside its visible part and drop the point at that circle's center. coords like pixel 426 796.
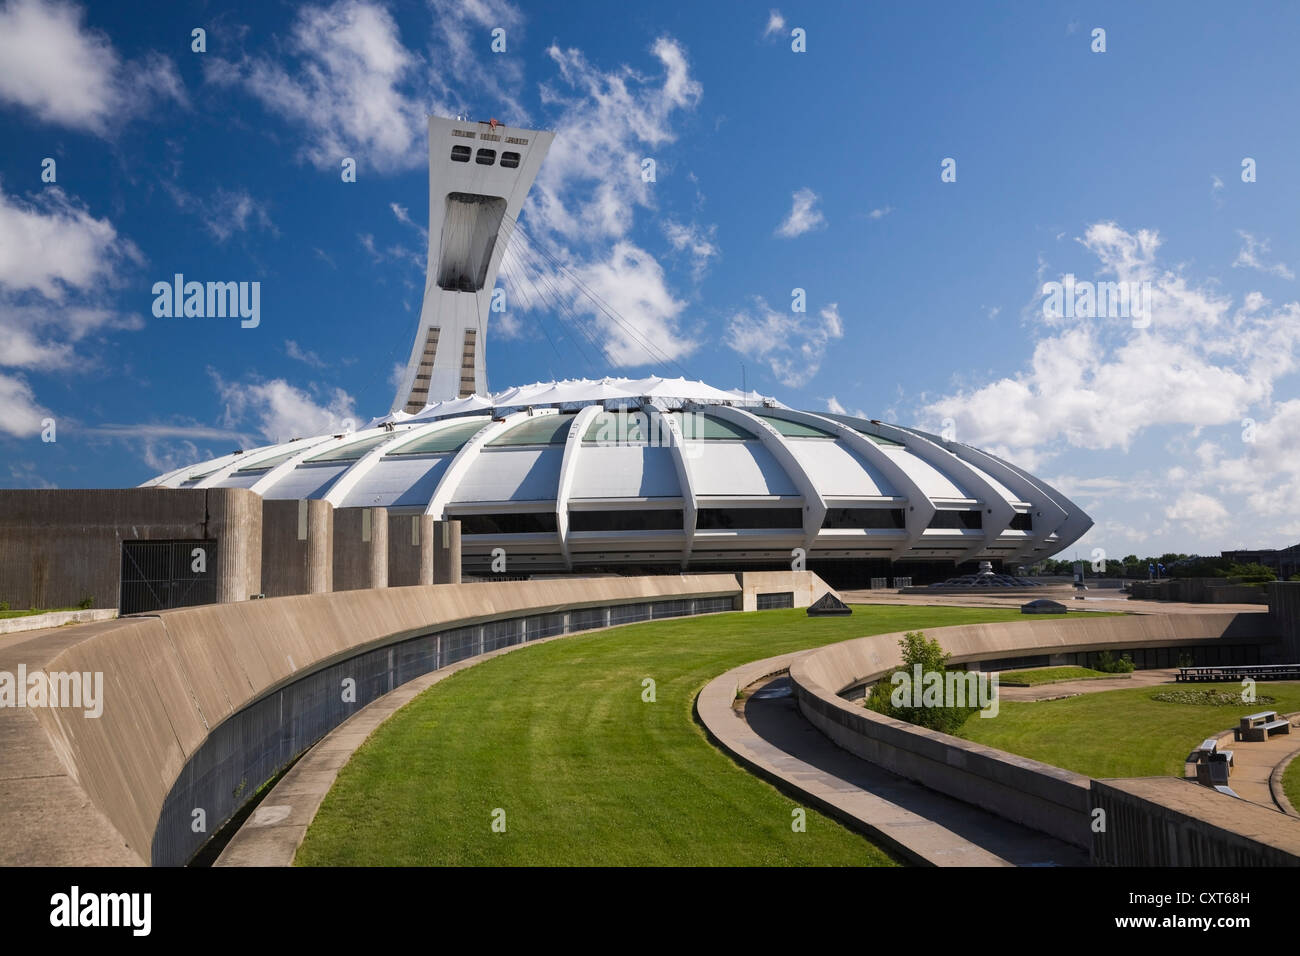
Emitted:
pixel 235 521
pixel 410 550
pixel 446 552
pixel 297 547
pixel 360 548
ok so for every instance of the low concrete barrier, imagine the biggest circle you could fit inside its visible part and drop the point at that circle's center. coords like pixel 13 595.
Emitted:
pixel 35 622
pixel 1026 791
pixel 174 681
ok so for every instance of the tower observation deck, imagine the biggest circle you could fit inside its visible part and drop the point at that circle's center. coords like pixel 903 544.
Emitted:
pixel 479 176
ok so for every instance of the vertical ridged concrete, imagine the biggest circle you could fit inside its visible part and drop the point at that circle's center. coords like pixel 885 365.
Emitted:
pixel 410 550
pixel 446 552
pixel 360 548
pixel 297 547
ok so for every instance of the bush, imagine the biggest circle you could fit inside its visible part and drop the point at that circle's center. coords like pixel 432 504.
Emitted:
pixel 4 605
pixel 1107 663
pixel 86 603
pixel 918 649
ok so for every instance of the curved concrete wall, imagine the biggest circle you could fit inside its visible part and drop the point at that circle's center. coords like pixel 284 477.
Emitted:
pixel 172 680
pixel 1038 795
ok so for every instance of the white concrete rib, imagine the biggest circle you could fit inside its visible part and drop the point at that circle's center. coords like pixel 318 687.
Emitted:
pixel 568 472
pixel 920 509
pixel 814 505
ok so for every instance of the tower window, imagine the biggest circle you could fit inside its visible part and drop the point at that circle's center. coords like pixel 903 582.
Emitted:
pixel 510 160
pixel 460 154
pixel 486 157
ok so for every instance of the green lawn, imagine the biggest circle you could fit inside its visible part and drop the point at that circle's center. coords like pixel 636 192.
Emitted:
pixel 557 735
pixel 28 613
pixel 1291 783
pixel 1117 733
pixel 1050 675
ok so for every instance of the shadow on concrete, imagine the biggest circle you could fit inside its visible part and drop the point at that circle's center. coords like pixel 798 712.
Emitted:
pixel 771 713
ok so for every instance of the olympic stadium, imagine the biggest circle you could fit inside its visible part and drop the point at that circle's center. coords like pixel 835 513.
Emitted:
pixel 633 475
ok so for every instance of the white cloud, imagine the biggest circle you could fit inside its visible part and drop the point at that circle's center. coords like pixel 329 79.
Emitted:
pixel 294 351
pixel 279 411
pixel 804 215
pixel 20 413
pixel 881 213
pixel 1249 257
pixel 584 205
pixel 833 405
pixel 591 181
pixel 350 91
pixel 775 24
pixel 226 212
pixel 52 245
pixel 631 283
pixel 467 25
pixel 792 344
pixel 1199 512
pixel 1098 383
pixel 67 74
pixel 696 241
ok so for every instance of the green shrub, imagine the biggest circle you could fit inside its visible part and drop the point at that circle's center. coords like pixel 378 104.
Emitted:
pixel 1106 662
pixel 86 603
pixel 4 605
pixel 918 649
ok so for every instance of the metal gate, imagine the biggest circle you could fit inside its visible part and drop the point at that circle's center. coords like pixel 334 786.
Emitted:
pixel 157 575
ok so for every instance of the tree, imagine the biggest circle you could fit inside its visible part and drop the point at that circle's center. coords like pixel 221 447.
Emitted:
pixel 918 649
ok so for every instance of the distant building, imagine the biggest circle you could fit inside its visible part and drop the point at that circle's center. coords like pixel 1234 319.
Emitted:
pixel 1284 562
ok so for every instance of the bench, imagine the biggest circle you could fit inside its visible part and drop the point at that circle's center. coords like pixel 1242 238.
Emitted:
pixel 1213 766
pixel 1259 727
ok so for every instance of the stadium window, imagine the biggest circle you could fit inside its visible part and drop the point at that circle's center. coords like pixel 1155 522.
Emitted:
pixel 891 518
pixel 542 522
pixel 486 157
pixel 510 160
pixel 1022 522
pixel 460 154
pixel 647 519
pixel 737 519
pixel 957 520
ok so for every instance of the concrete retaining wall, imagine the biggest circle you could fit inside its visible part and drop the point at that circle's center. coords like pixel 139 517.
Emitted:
pixel 60 546
pixel 173 679
pixel 1026 791
pixel 1163 821
pixel 806 587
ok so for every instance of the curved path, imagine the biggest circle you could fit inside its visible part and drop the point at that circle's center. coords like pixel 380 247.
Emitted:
pixel 771 738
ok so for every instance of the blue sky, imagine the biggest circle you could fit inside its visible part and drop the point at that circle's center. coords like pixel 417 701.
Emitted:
pixel 775 170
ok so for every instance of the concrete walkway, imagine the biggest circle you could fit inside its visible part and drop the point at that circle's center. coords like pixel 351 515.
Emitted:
pixel 771 737
pixel 1072 688
pixel 1253 764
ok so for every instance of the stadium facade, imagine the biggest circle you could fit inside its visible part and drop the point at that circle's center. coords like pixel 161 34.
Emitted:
pixel 629 475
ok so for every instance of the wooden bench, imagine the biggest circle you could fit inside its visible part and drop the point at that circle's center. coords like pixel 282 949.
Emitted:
pixel 1259 727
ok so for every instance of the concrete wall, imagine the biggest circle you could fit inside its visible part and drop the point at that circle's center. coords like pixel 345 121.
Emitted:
pixel 806 586
pixel 446 552
pixel 297 547
pixel 60 546
pixel 360 548
pixel 1163 821
pixel 1284 609
pixel 410 550
pixel 1026 791
pixel 173 679
pixel 1198 591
